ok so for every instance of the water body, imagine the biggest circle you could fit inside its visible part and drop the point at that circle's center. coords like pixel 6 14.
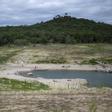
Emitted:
pixel 93 78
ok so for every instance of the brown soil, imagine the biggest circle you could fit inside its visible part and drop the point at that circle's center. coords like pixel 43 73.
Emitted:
pixel 55 102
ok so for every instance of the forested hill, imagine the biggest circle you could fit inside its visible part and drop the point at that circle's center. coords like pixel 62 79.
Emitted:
pixel 61 29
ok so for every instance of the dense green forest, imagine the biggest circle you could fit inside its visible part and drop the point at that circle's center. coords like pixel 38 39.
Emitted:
pixel 61 29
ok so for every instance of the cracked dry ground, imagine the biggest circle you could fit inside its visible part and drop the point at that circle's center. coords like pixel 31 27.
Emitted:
pixel 36 102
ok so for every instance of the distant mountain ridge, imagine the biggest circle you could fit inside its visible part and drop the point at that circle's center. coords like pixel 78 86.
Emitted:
pixel 61 29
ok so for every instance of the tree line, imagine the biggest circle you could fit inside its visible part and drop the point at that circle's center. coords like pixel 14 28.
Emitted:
pixel 61 29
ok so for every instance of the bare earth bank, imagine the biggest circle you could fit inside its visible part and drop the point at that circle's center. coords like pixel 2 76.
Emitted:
pixel 55 102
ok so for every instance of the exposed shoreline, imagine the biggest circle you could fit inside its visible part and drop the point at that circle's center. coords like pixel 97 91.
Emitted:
pixel 12 71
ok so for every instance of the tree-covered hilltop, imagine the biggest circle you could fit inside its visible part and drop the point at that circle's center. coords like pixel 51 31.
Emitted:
pixel 61 29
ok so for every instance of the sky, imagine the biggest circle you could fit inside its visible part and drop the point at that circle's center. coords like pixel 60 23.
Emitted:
pixel 24 12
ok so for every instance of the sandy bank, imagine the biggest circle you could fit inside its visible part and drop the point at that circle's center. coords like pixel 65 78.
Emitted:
pixel 14 68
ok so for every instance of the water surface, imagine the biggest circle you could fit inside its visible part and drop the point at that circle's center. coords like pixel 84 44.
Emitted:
pixel 93 78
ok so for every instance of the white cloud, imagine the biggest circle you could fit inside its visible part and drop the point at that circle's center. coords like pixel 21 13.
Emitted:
pixel 32 11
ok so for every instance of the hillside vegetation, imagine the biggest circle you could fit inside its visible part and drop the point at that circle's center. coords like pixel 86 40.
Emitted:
pixel 61 29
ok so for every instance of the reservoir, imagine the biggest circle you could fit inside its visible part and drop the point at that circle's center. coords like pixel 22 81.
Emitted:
pixel 94 78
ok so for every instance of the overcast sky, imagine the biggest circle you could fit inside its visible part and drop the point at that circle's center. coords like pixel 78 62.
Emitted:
pixel 17 12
